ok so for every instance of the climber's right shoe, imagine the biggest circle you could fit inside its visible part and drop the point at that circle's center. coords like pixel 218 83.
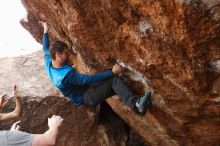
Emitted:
pixel 143 103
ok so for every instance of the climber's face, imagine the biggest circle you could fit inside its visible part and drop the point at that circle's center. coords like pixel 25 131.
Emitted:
pixel 63 57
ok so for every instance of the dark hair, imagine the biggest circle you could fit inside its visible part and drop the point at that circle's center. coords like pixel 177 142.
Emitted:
pixel 58 46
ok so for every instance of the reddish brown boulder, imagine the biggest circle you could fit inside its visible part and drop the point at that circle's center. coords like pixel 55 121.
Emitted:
pixel 173 44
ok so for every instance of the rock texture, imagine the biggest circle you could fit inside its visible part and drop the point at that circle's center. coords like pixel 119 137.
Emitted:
pixel 28 73
pixel 173 45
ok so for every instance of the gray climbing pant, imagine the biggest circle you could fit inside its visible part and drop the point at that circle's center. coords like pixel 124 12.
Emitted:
pixel 96 94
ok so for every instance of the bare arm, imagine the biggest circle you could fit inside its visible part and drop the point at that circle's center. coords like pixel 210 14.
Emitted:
pixel 50 136
pixel 17 111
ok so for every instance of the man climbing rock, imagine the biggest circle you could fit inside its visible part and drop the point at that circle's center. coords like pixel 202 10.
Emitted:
pixel 88 90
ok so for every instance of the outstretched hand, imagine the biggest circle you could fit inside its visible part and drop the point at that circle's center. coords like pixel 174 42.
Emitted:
pixel 3 100
pixel 16 93
pixel 55 121
pixel 15 126
pixel 45 26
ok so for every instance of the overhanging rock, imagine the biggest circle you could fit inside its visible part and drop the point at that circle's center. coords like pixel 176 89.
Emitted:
pixel 174 44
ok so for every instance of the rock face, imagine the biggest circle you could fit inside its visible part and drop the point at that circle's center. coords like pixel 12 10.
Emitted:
pixel 174 44
pixel 28 73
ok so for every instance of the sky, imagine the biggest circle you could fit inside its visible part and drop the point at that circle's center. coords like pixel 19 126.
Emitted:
pixel 14 39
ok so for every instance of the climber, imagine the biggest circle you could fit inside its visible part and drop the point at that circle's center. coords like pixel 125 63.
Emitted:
pixel 14 137
pixel 88 90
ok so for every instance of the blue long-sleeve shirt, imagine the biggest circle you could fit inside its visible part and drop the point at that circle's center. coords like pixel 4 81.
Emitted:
pixel 71 83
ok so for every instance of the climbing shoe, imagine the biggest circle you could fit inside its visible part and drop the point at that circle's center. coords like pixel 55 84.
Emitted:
pixel 143 103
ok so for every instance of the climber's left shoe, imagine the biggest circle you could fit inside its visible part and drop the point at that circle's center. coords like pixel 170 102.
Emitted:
pixel 143 103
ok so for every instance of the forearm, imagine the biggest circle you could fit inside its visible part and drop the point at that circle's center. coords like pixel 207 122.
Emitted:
pixel 99 77
pixel 51 134
pixel 48 138
pixel 46 43
pixel 45 30
pixel 14 114
pixel 82 79
pixel 17 110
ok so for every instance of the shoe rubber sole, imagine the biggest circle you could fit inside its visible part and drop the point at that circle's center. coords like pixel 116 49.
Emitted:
pixel 146 104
